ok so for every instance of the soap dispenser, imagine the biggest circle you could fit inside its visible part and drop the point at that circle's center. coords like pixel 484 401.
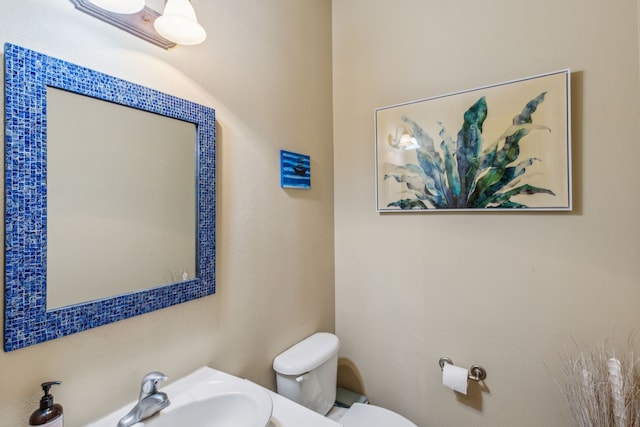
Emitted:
pixel 49 414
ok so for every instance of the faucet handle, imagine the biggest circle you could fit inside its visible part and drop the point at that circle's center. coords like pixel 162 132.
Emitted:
pixel 150 381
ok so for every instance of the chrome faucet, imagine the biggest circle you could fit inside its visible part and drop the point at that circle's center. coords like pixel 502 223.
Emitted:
pixel 150 402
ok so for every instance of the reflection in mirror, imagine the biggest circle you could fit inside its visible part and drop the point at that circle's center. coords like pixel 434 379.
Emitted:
pixel 31 160
pixel 129 222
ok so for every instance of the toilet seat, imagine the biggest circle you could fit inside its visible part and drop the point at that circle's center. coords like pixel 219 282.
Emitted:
pixel 365 415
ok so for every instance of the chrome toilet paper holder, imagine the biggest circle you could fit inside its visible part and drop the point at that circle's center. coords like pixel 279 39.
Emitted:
pixel 476 372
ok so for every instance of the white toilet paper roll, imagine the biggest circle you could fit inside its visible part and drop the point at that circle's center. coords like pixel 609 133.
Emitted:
pixel 455 378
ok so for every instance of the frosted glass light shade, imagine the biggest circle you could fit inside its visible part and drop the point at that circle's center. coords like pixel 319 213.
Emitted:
pixel 408 142
pixel 120 6
pixel 178 23
pixel 403 140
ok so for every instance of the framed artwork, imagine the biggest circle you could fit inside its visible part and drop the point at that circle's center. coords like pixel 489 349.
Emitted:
pixel 295 170
pixel 500 147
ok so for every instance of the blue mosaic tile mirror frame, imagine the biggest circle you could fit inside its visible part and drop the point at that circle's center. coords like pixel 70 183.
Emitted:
pixel 27 321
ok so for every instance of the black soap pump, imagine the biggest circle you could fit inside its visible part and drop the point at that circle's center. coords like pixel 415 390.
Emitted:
pixel 49 414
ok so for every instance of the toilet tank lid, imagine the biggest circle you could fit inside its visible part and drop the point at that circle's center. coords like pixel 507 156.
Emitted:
pixel 307 355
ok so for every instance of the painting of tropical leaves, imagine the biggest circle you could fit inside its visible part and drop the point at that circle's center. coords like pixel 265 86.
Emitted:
pixel 431 169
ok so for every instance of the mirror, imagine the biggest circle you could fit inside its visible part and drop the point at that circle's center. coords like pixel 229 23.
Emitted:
pixel 129 222
pixel 57 206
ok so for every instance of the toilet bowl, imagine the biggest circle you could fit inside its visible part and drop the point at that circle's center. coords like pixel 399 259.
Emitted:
pixel 307 374
pixel 364 415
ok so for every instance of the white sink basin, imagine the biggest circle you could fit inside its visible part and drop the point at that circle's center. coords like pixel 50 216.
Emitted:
pixel 208 397
pixel 234 403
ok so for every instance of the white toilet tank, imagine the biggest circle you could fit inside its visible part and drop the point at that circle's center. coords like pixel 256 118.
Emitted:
pixel 307 372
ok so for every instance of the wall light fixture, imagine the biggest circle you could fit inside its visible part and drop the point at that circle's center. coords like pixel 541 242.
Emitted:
pixel 177 25
pixel 120 6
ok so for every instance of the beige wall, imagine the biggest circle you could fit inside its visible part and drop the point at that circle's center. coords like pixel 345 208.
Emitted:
pixel 508 291
pixel 266 68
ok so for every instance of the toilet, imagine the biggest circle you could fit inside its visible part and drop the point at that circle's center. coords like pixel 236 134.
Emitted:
pixel 307 374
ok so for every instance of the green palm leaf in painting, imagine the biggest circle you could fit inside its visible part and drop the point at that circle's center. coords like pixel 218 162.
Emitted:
pixel 468 148
pixel 465 175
